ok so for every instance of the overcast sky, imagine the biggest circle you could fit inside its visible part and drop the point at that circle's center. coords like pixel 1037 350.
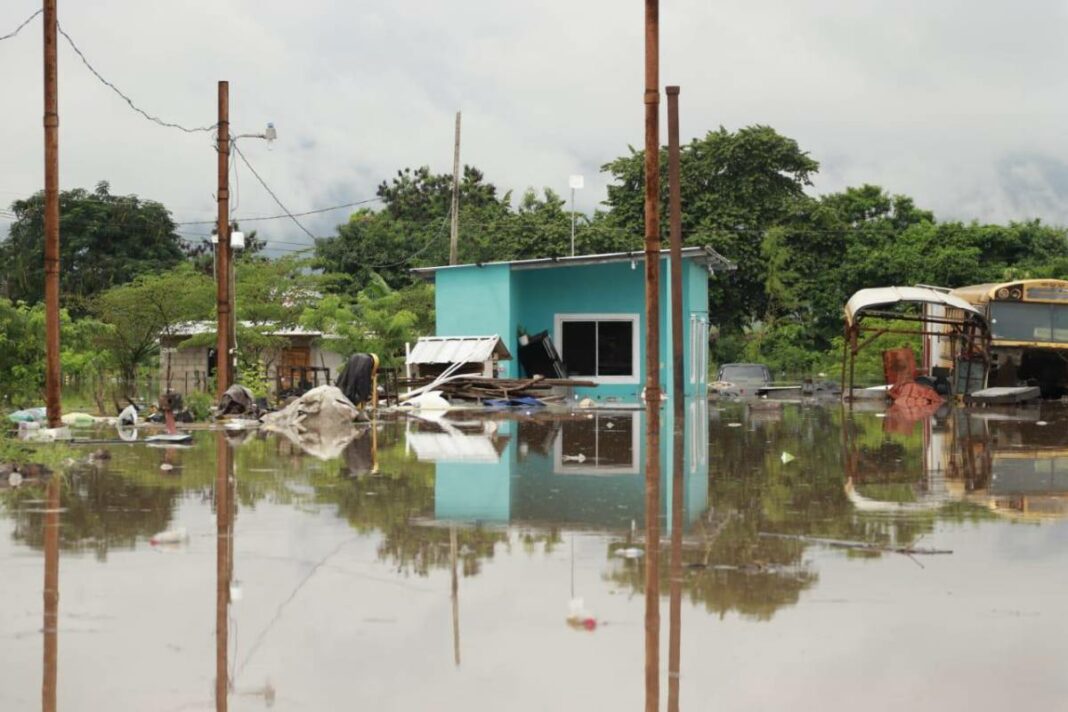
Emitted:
pixel 962 105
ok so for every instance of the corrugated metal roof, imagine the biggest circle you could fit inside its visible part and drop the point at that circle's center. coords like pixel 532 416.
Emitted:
pixel 703 255
pixel 457 349
pixel 887 296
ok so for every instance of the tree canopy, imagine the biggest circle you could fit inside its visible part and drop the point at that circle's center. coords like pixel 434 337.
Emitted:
pixel 105 240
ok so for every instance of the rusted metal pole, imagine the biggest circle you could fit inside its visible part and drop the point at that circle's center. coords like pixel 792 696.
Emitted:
pixel 678 441
pixel 675 217
pixel 51 596
pixel 224 459
pixel 53 404
pixel 223 371
pixel 652 355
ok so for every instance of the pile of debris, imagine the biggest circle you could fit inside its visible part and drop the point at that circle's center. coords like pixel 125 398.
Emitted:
pixel 494 391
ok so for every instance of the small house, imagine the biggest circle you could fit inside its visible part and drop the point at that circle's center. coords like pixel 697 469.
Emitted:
pixel 591 308
pixel 303 358
pixel 474 355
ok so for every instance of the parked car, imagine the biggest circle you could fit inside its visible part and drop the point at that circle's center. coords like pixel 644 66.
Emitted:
pixel 741 380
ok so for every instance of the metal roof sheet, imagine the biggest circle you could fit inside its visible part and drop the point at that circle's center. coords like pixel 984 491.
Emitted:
pixel 457 349
pixel 703 255
pixel 888 296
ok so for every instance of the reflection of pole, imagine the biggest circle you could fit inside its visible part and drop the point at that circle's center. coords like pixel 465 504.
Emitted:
pixel 455 598
pixel 223 567
pixel 652 356
pixel 679 433
pixel 51 596
pixel 675 596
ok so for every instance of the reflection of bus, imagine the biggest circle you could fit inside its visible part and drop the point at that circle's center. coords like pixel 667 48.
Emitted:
pixel 1029 332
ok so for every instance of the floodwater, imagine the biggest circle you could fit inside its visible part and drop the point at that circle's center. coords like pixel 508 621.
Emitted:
pixel 829 560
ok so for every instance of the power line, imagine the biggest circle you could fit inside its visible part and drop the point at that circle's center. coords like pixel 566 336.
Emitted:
pixel 19 28
pixel 128 100
pixel 286 215
pixel 271 192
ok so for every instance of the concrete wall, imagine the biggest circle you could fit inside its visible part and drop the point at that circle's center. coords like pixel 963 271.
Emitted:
pixel 189 369
pixel 477 301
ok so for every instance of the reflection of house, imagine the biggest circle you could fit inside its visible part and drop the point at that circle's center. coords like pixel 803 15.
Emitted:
pixel 588 471
pixel 591 306
pixel 302 353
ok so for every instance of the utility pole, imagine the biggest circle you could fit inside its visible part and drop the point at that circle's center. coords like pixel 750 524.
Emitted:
pixel 678 440
pixel 675 218
pixel 224 305
pixel 454 233
pixel 53 404
pixel 652 355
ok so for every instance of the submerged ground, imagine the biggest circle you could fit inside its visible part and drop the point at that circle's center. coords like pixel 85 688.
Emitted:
pixel 433 565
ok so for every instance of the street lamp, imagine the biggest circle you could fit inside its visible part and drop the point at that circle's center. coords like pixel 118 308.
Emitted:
pixel 576 183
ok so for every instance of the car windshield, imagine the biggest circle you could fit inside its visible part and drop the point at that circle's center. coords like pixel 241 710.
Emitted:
pixel 743 372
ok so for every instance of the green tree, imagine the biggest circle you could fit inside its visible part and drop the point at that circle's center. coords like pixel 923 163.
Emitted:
pixel 380 320
pixel 734 186
pixel 151 306
pixel 106 240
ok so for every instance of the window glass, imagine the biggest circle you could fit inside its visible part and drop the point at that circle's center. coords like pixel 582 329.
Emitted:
pixel 1021 322
pixel 580 347
pixel 1060 322
pixel 615 348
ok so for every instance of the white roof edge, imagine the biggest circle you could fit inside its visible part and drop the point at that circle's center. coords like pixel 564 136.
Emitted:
pixel 540 262
pixel 865 299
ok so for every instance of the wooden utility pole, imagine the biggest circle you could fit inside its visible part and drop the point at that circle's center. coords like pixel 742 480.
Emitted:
pixel 223 358
pixel 53 404
pixel 454 231
pixel 678 439
pixel 652 355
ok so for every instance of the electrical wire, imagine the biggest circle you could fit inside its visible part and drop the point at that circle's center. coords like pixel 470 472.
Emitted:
pixel 25 22
pixel 128 100
pixel 316 211
pixel 269 191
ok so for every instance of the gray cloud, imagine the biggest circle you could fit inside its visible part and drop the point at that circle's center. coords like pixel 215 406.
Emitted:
pixel 958 104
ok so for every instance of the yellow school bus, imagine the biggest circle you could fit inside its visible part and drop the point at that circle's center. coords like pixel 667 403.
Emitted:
pixel 1028 321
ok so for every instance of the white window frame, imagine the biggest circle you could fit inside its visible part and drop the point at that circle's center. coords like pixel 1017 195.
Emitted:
pixel 592 468
pixel 635 321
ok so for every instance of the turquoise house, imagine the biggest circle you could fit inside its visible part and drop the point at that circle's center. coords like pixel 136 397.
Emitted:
pixel 593 308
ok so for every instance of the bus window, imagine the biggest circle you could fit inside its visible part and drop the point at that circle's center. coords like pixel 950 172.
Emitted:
pixel 1014 321
pixel 1060 322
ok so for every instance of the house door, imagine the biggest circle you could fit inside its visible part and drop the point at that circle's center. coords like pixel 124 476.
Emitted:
pixel 296 357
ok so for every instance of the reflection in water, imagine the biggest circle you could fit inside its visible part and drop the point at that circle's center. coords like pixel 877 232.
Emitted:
pixel 675 570
pixel 424 515
pixel 51 594
pixel 224 552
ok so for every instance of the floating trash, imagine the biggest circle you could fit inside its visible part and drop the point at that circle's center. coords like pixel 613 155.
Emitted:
pixel 171 536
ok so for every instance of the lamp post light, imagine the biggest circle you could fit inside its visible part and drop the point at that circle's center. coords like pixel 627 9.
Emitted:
pixel 576 183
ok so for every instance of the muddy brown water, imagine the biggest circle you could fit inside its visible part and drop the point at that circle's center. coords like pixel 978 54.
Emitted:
pixel 433 566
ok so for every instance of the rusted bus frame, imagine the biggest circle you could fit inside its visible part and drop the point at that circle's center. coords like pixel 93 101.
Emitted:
pixel 964 328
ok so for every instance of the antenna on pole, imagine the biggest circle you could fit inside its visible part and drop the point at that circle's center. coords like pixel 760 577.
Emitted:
pixel 454 232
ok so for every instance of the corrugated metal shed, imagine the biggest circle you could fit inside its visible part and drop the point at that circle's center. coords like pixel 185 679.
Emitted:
pixel 457 349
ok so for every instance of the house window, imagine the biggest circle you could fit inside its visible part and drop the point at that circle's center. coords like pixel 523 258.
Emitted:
pixel 600 347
